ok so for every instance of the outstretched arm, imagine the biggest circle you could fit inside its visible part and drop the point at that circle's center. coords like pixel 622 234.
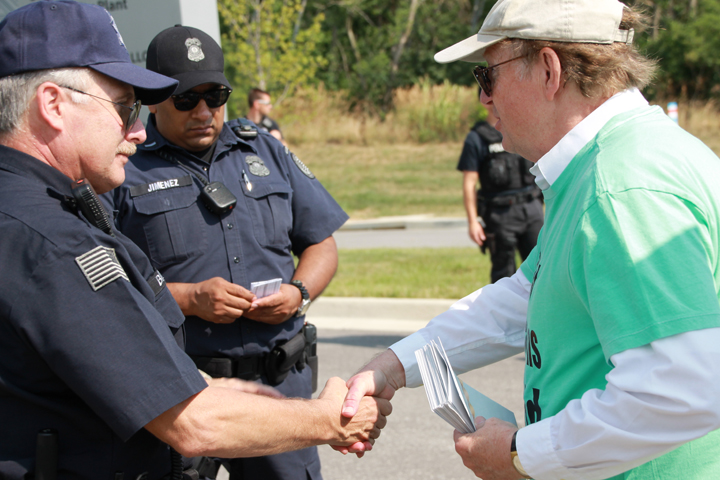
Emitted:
pixel 228 423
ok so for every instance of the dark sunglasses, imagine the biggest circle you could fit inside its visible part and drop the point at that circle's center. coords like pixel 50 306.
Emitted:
pixel 215 98
pixel 129 115
pixel 482 75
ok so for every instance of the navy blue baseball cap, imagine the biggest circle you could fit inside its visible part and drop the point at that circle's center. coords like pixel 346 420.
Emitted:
pixel 62 34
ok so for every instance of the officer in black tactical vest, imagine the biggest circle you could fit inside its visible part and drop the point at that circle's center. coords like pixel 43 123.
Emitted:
pixel 507 212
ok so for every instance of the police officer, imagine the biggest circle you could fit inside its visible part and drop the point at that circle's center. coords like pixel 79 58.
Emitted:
pixel 508 201
pixel 259 107
pixel 93 379
pixel 217 207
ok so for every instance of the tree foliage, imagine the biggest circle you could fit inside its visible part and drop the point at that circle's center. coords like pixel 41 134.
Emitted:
pixel 371 48
pixel 685 37
pixel 269 44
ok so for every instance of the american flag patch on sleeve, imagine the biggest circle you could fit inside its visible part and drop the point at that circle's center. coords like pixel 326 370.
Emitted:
pixel 100 266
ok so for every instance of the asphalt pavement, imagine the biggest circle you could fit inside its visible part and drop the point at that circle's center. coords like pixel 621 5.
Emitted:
pixel 416 443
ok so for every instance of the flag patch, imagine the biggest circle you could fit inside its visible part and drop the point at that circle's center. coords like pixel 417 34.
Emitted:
pixel 100 266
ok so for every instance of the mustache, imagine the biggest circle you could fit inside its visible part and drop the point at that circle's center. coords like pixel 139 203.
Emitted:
pixel 127 149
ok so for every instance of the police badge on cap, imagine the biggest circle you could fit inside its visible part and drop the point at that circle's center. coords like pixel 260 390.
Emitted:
pixel 195 53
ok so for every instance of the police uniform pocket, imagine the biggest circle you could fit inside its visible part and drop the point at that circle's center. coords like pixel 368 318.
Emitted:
pixel 173 225
pixel 269 205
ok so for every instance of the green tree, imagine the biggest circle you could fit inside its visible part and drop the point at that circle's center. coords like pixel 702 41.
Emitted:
pixel 269 44
pixel 685 38
pixel 374 47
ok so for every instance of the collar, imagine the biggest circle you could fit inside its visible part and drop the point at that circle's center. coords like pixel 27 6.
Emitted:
pixel 553 163
pixel 30 167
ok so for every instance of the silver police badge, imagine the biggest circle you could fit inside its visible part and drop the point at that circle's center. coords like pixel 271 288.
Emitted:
pixel 195 53
pixel 303 168
pixel 257 166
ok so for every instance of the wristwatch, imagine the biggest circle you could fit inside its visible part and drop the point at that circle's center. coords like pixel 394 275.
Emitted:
pixel 516 460
pixel 303 308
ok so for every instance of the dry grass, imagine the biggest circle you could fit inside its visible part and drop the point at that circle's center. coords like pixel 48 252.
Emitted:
pixel 424 113
pixel 702 119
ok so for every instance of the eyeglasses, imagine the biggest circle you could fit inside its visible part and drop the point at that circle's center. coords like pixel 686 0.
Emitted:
pixel 128 119
pixel 264 102
pixel 215 98
pixel 482 75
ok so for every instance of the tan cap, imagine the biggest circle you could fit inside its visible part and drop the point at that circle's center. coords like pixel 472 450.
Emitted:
pixel 579 21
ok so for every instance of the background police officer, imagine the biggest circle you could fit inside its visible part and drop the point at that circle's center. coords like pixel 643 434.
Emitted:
pixel 93 378
pixel 508 200
pixel 209 254
pixel 259 107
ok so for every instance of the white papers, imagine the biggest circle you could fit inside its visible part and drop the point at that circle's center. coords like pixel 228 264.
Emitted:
pixel 266 287
pixel 456 403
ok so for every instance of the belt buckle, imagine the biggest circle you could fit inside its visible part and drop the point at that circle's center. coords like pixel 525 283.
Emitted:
pixel 248 368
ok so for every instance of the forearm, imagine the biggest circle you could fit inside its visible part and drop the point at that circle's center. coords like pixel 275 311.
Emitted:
pixel 658 397
pixel 482 328
pixel 317 266
pixel 226 423
pixel 470 180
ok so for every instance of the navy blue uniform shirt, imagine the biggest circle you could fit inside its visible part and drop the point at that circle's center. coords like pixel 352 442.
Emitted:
pixel 281 209
pixel 93 354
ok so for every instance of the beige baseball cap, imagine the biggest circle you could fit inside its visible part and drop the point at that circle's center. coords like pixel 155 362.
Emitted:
pixel 579 21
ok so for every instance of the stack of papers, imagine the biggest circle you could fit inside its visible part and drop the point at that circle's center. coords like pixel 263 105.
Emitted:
pixel 456 403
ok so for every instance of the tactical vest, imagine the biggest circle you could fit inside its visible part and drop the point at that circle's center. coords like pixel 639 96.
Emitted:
pixel 501 171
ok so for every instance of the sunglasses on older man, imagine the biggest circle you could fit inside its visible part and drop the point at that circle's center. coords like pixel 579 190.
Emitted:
pixel 484 78
pixel 214 98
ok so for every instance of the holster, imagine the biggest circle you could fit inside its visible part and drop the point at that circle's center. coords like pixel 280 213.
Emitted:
pixel 300 351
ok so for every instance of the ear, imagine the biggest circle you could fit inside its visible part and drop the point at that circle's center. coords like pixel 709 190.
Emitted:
pixel 51 106
pixel 152 108
pixel 552 72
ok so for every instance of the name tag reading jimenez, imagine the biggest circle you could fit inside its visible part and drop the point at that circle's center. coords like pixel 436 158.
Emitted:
pixel 146 188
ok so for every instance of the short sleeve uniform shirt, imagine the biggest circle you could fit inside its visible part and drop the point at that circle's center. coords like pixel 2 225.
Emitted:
pixel 281 209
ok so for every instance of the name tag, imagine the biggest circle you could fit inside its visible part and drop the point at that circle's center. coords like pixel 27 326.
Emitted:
pixel 145 188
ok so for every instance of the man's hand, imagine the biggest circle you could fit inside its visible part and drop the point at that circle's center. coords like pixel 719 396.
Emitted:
pixel 215 300
pixel 487 451
pixel 364 427
pixel 277 308
pixel 476 232
pixel 381 377
pixel 245 386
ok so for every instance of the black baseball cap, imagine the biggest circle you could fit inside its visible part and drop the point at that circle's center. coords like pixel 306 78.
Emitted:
pixel 64 34
pixel 188 55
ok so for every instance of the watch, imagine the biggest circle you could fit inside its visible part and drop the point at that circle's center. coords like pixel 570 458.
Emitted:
pixel 303 308
pixel 516 460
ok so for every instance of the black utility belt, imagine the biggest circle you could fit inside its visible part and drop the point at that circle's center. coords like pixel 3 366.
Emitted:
pixel 299 352
pixel 505 200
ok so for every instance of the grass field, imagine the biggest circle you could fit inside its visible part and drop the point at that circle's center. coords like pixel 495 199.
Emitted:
pixel 410 273
pixel 384 180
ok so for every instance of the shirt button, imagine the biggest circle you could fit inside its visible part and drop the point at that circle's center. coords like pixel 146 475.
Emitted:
pixel 236 260
pixel 230 226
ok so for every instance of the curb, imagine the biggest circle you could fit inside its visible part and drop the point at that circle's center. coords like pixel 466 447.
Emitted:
pixel 404 222
pixel 403 315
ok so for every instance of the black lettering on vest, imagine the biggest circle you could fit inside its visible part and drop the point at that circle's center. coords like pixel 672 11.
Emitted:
pixel 532 352
pixel 533 412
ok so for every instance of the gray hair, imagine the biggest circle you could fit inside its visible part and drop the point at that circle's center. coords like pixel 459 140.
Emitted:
pixel 17 91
